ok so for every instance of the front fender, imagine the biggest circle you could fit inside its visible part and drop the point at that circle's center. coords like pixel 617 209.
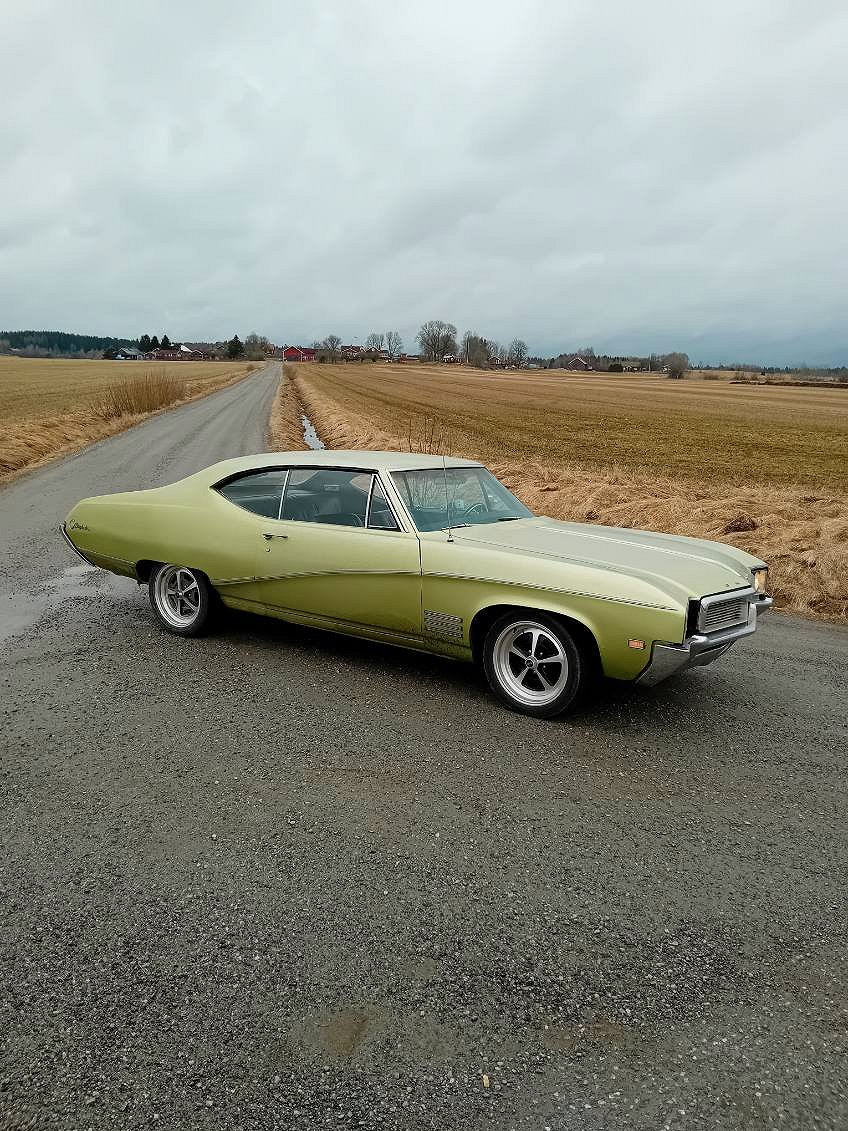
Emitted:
pixel 613 624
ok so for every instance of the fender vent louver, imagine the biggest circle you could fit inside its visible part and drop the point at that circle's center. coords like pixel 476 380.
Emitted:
pixel 442 625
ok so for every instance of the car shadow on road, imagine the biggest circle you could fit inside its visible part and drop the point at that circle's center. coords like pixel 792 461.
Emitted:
pixel 609 705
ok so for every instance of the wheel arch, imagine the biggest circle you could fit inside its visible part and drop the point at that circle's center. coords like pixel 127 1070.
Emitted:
pixel 145 567
pixel 484 619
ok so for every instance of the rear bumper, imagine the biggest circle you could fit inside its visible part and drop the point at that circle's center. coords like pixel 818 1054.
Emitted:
pixel 67 537
pixel 699 649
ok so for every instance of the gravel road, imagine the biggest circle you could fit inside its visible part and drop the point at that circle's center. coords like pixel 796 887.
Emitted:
pixel 276 879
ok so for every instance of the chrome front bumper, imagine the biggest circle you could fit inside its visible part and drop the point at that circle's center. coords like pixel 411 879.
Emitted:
pixel 700 649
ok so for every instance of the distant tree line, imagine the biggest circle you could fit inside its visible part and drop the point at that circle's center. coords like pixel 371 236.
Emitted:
pixel 148 342
pixel 388 344
pixel 58 343
pixel 255 347
pixel 674 365
pixel 437 341
pixel 831 372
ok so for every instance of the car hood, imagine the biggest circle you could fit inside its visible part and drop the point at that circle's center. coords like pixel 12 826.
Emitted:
pixel 682 567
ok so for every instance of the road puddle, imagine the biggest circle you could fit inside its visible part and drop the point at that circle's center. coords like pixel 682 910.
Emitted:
pixel 20 611
pixel 310 436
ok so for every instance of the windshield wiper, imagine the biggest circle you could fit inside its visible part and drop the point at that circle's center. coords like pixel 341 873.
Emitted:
pixel 510 518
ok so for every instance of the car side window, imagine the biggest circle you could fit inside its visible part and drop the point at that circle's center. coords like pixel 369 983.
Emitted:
pixel 380 516
pixel 338 498
pixel 259 491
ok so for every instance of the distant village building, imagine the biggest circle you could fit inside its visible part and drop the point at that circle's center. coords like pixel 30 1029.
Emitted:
pixel 577 362
pixel 344 353
pixel 175 353
pixel 128 353
pixel 298 353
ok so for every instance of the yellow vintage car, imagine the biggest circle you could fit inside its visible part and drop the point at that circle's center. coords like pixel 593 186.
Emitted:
pixel 428 553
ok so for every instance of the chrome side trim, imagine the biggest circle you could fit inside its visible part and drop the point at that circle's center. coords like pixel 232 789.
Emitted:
pixel 77 551
pixel 295 575
pixel 347 627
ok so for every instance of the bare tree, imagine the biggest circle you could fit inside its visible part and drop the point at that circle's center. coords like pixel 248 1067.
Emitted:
pixel 676 364
pixel 436 339
pixel 331 345
pixel 394 344
pixel 517 354
pixel 256 348
pixel 475 350
pixel 496 354
pixel 374 341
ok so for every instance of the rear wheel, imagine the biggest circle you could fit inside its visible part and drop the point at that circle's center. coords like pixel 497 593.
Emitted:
pixel 533 664
pixel 181 599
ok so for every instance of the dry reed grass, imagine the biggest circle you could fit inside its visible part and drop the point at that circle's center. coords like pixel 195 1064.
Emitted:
pixel 140 395
pixel 50 408
pixel 635 452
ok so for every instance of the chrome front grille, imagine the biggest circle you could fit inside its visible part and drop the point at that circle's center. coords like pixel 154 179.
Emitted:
pixel 716 615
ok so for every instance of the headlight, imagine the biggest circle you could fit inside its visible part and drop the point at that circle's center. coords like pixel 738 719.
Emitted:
pixel 760 579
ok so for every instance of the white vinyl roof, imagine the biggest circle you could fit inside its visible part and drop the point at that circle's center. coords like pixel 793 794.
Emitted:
pixel 368 461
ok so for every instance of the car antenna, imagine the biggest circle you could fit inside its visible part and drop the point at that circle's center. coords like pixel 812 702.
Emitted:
pixel 447 500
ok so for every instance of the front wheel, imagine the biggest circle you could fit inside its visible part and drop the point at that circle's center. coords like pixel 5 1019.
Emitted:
pixel 181 599
pixel 533 664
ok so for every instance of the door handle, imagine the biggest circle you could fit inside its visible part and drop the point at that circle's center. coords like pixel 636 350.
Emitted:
pixel 267 535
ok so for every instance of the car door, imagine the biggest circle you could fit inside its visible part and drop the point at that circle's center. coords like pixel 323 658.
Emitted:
pixel 338 551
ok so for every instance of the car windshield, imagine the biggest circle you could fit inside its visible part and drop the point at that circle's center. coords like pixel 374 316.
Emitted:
pixel 457 496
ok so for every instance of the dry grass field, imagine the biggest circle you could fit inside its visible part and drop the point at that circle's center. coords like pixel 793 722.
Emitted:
pixel 764 468
pixel 51 407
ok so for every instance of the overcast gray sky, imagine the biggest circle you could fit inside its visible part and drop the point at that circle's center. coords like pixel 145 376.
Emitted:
pixel 631 176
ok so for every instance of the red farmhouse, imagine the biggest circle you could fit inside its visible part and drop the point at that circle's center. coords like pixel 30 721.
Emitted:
pixel 298 353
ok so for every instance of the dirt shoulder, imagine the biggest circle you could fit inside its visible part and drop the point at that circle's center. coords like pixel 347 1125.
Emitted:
pixel 33 441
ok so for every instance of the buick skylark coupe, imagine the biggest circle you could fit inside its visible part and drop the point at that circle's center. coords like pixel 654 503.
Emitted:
pixel 428 553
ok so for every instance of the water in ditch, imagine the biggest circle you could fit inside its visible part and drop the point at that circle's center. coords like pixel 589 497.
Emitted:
pixel 310 435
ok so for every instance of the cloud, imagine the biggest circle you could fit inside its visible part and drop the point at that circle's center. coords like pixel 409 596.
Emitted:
pixel 646 176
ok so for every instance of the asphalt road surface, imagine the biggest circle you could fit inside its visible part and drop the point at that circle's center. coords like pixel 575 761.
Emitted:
pixel 278 879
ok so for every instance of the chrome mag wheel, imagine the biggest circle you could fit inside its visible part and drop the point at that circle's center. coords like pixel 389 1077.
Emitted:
pixel 530 663
pixel 178 596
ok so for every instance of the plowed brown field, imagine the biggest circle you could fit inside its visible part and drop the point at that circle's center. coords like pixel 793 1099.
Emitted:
pixel 693 457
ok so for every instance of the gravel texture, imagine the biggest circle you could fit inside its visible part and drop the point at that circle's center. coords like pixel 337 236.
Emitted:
pixel 278 879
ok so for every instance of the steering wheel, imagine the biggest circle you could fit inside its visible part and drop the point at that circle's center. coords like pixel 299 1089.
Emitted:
pixel 475 508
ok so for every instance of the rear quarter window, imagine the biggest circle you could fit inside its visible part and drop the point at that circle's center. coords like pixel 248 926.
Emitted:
pixel 260 492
